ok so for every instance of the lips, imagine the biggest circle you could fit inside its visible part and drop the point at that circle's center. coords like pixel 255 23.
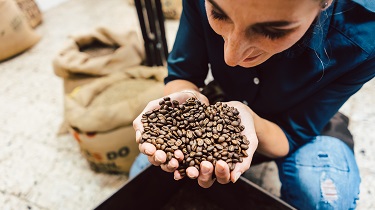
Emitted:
pixel 249 59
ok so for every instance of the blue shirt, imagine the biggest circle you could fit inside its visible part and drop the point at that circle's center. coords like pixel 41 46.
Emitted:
pixel 299 89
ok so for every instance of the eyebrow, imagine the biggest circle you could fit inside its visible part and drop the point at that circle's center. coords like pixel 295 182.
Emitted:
pixel 262 24
pixel 274 24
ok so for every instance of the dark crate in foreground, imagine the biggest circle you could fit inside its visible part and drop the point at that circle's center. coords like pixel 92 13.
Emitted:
pixel 156 189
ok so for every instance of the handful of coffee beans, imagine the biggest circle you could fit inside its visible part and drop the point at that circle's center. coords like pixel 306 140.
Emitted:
pixel 201 132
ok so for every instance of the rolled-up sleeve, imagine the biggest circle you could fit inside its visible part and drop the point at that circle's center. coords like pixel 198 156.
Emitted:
pixel 188 59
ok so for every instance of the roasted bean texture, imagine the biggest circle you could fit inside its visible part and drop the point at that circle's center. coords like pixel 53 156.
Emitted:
pixel 201 132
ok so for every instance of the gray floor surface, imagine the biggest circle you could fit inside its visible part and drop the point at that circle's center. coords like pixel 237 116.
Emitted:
pixel 40 170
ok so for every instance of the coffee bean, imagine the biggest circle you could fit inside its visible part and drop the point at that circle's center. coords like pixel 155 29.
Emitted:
pixel 219 146
pixel 201 132
pixel 210 148
pixel 198 133
pixel 235 123
pixel 221 139
pixel 160 141
pixel 200 142
pixel 192 163
pixel 244 146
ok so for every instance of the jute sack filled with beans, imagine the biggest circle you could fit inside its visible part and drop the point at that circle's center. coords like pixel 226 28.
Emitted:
pixel 16 35
pixel 100 114
pixel 201 132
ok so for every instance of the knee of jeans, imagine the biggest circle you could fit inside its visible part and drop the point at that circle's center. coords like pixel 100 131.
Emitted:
pixel 325 152
pixel 336 194
pixel 319 176
pixel 329 195
pixel 309 188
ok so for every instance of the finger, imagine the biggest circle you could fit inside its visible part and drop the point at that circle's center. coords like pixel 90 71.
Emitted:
pixel 157 158
pixel 152 161
pixel 165 168
pixel 192 172
pixel 179 155
pixel 160 156
pixel 147 148
pixel 250 133
pixel 138 136
pixel 205 179
pixel 204 99
pixel 171 166
pixel 222 172
pixel 177 175
pixel 240 168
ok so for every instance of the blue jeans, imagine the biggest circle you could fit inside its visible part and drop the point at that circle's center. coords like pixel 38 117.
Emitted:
pixel 322 174
pixel 140 163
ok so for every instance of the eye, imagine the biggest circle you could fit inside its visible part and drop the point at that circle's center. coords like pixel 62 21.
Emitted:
pixel 272 33
pixel 218 16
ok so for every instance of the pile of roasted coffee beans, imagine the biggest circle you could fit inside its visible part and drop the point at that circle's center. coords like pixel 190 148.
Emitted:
pixel 201 132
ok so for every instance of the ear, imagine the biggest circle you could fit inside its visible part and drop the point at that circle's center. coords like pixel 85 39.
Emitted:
pixel 325 4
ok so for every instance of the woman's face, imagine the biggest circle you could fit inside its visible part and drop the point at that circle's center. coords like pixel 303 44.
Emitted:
pixel 254 30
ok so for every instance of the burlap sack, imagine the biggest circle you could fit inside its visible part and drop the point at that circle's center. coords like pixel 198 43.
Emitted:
pixel 100 115
pixel 31 10
pixel 99 53
pixel 16 35
pixel 89 56
pixel 171 8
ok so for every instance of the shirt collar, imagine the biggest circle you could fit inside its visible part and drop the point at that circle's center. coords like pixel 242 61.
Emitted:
pixel 314 36
pixel 319 30
pixel 368 4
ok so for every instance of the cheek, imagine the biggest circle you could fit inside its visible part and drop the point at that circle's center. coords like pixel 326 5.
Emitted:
pixel 220 27
pixel 294 37
pixel 217 26
pixel 275 46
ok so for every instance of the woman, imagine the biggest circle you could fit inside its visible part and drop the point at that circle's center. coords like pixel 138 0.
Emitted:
pixel 287 66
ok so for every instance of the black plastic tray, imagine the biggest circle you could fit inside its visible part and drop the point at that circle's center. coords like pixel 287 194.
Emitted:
pixel 156 189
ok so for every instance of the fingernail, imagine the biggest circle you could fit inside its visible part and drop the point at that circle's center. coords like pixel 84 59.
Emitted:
pixel 238 174
pixel 157 159
pixel 205 170
pixel 147 152
pixel 171 164
pixel 220 169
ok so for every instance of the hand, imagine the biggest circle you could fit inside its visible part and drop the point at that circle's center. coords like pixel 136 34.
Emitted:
pixel 222 172
pixel 159 157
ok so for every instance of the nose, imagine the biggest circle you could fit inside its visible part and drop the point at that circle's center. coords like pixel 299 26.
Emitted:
pixel 236 48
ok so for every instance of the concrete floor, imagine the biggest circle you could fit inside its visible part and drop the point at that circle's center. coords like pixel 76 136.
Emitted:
pixel 40 170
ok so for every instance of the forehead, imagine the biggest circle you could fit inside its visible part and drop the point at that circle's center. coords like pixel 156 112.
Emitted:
pixel 267 9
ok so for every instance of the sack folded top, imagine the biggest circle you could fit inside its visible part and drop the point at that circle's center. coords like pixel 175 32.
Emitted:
pixel 100 53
